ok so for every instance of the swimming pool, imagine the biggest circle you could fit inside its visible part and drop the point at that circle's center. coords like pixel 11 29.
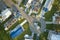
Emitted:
pixel 16 31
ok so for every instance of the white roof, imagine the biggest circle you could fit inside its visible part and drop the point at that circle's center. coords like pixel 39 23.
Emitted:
pixel 6 28
pixel 30 1
pixel 23 22
pixel 5 14
pixel 48 4
pixel 28 39
pixel 26 35
pixel 59 22
pixel 55 37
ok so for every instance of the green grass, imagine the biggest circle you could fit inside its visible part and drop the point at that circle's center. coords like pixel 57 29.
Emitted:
pixel 39 11
pixel 27 31
pixel 3 34
pixel 25 26
pixel 18 22
pixel 6 20
pixel 14 1
pixel 43 36
pixel 50 26
pixel 49 14
pixel 21 5
pixel 53 26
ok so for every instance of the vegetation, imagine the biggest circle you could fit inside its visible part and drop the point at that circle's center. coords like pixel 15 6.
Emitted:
pixel 43 36
pixel 48 17
pixel 24 2
pixel 49 14
pixel 3 34
pixel 53 27
pixel 17 23
pixel 27 31
pixel 14 1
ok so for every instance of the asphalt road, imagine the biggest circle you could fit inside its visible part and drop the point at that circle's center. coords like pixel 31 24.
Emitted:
pixel 43 24
pixel 24 15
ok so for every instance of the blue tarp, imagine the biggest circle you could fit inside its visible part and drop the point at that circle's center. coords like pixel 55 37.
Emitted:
pixel 45 9
pixel 16 32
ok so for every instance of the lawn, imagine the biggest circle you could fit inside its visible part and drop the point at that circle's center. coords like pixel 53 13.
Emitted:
pixel 49 14
pixel 3 34
pixel 50 26
pixel 21 5
pixel 43 36
pixel 6 20
pixel 18 22
pixel 25 26
pixel 27 31
pixel 14 1
pixel 53 27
